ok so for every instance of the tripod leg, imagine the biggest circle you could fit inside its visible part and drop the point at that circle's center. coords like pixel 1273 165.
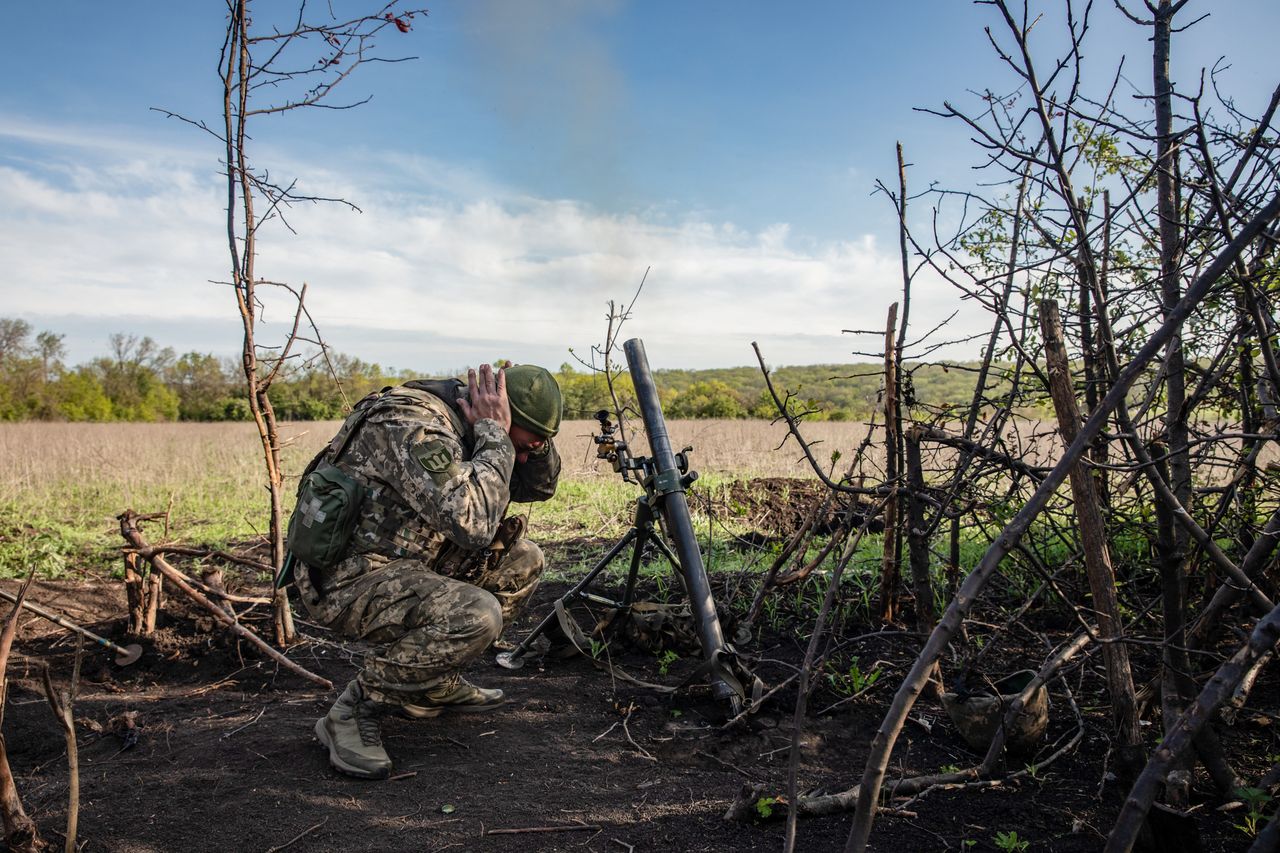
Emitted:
pixel 514 658
pixel 643 536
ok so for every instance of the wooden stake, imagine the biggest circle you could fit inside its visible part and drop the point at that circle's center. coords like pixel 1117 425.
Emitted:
pixel 889 565
pixel 1093 539
pixel 129 529
pixel 133 594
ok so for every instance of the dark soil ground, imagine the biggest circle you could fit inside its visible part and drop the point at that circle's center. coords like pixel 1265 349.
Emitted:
pixel 202 745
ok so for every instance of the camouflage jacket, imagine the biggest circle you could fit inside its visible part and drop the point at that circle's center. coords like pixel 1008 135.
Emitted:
pixel 432 480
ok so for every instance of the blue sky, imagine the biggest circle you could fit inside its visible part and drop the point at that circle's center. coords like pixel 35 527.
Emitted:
pixel 525 169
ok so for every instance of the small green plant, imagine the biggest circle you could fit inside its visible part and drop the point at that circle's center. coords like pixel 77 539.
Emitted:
pixel 771 613
pixel 968 843
pixel 1033 770
pixel 597 648
pixel 665 660
pixel 764 806
pixel 949 768
pixel 853 680
pixel 1256 799
pixel 1010 842
pixel 863 583
pixel 662 588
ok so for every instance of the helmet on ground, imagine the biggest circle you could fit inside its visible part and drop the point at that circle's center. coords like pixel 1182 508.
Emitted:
pixel 535 399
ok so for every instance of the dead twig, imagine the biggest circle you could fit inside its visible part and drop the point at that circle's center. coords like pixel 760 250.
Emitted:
pixel 644 753
pixel 245 726
pixel 627 731
pixel 298 837
pixel 530 829
pixel 722 762
pixel 207 553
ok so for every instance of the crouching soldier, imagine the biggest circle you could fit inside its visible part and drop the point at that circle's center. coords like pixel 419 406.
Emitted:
pixel 400 539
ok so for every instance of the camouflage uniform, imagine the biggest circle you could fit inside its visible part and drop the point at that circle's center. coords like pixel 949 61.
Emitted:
pixel 438 491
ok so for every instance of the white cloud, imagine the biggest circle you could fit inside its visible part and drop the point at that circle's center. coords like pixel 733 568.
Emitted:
pixel 431 265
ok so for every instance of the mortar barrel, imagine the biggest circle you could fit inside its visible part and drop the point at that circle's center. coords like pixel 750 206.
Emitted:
pixel 675 510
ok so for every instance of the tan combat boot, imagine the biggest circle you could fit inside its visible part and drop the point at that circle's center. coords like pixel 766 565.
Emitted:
pixel 456 695
pixel 351 733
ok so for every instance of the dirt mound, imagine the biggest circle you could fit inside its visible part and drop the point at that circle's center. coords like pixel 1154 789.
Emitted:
pixel 776 507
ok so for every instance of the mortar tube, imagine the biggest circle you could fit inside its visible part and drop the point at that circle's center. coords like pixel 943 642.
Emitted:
pixel 675 509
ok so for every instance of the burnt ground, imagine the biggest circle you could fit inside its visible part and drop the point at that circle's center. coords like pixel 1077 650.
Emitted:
pixel 221 755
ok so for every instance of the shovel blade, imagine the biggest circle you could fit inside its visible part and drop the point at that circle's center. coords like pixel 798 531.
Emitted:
pixel 129 654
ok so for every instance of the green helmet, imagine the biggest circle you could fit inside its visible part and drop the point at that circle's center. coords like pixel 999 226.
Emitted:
pixel 535 399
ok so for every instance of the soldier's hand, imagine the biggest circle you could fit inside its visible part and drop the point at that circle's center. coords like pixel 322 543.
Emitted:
pixel 486 397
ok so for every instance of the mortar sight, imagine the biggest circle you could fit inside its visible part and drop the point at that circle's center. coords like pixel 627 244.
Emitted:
pixel 607 445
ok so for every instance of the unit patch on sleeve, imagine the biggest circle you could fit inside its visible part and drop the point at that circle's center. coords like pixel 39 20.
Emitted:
pixel 434 456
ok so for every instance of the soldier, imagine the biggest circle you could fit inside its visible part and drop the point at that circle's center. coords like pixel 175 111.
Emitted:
pixel 431 570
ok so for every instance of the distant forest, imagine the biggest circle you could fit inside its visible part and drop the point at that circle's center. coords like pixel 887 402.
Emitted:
pixel 140 381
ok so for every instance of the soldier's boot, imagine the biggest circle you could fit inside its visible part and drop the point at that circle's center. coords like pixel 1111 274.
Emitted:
pixel 457 695
pixel 351 733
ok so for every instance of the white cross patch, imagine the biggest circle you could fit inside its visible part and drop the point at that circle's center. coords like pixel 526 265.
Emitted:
pixel 311 513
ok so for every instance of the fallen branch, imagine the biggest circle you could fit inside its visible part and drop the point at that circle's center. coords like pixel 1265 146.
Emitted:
pixel 575 828
pixel 129 529
pixel 182 551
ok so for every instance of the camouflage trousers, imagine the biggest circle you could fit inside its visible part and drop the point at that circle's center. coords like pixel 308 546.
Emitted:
pixel 427 626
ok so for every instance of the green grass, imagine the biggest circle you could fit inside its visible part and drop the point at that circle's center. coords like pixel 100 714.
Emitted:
pixel 62 486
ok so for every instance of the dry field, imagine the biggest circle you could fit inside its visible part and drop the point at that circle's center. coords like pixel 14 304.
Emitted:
pixel 133 463
pixel 61 485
